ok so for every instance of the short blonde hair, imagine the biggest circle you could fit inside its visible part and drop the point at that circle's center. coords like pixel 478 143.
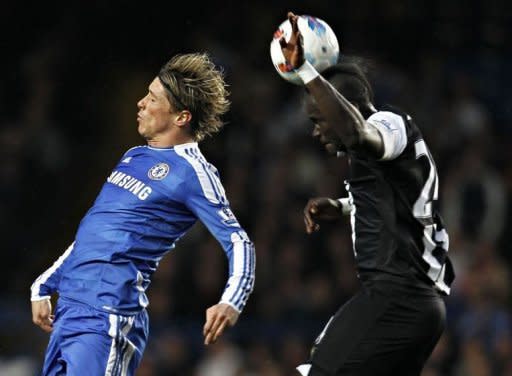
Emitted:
pixel 193 82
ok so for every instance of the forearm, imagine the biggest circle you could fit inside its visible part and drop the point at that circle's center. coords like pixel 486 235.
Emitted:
pixel 242 272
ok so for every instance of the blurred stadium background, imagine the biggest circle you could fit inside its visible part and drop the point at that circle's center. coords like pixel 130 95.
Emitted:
pixel 71 76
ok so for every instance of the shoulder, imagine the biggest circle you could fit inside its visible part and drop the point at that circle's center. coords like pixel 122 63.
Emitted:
pixel 192 157
pixel 135 149
pixel 395 115
pixel 387 119
pixel 201 174
pixel 393 131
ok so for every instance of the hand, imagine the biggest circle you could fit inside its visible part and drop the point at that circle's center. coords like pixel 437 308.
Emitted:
pixel 218 317
pixel 320 208
pixel 42 314
pixel 293 50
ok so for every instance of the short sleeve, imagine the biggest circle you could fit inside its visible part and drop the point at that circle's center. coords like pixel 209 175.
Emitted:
pixel 392 129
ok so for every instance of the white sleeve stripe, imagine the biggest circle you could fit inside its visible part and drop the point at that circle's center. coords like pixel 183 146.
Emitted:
pixel 248 280
pixel 250 286
pixel 241 282
pixel 210 183
pixel 238 295
pixel 215 179
pixel 206 173
pixel 206 185
pixel 36 286
pixel 392 129
pixel 239 269
pixel 219 189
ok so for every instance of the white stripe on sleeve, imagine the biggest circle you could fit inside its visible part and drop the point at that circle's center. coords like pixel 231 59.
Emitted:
pixel 241 282
pixel 209 182
pixel 41 280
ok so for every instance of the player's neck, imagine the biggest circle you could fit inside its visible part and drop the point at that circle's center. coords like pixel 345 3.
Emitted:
pixel 169 141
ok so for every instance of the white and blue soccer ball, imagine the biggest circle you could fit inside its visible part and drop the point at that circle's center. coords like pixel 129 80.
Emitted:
pixel 321 46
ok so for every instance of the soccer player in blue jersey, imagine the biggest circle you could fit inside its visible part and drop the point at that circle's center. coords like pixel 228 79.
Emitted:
pixel 391 325
pixel 149 201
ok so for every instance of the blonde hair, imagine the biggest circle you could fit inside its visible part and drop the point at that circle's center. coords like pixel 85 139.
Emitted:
pixel 193 82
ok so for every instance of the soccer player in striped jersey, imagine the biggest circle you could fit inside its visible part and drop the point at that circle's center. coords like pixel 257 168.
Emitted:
pixel 392 324
pixel 149 201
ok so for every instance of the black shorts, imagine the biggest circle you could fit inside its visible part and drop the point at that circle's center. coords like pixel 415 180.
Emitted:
pixel 383 330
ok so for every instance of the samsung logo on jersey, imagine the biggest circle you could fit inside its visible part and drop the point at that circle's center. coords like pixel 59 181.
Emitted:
pixel 135 186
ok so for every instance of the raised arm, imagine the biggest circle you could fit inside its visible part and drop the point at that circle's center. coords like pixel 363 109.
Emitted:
pixel 342 116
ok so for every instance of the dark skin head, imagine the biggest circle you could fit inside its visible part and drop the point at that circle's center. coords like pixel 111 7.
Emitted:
pixel 321 130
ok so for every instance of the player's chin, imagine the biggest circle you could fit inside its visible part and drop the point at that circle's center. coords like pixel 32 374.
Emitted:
pixel 142 130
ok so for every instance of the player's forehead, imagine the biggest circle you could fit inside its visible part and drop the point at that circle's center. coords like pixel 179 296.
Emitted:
pixel 156 87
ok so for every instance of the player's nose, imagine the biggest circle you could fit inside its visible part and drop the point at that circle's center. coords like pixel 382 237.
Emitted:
pixel 140 103
pixel 316 131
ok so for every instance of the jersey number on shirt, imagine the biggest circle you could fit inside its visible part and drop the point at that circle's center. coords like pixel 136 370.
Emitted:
pixel 433 238
pixel 422 208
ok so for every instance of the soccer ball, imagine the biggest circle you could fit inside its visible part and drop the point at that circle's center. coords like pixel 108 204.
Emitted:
pixel 321 46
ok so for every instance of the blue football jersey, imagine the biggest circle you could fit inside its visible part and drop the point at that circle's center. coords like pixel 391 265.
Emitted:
pixel 150 200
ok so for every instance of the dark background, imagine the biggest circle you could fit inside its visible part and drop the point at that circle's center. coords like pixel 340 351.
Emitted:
pixel 71 77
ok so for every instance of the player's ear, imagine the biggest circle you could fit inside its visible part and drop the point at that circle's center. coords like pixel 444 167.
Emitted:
pixel 183 118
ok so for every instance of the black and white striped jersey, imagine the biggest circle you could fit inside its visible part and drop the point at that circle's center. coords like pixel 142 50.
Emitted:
pixel 397 231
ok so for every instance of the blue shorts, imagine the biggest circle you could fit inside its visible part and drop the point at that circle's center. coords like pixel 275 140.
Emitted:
pixel 86 341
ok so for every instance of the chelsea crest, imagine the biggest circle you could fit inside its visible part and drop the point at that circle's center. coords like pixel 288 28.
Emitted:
pixel 158 171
